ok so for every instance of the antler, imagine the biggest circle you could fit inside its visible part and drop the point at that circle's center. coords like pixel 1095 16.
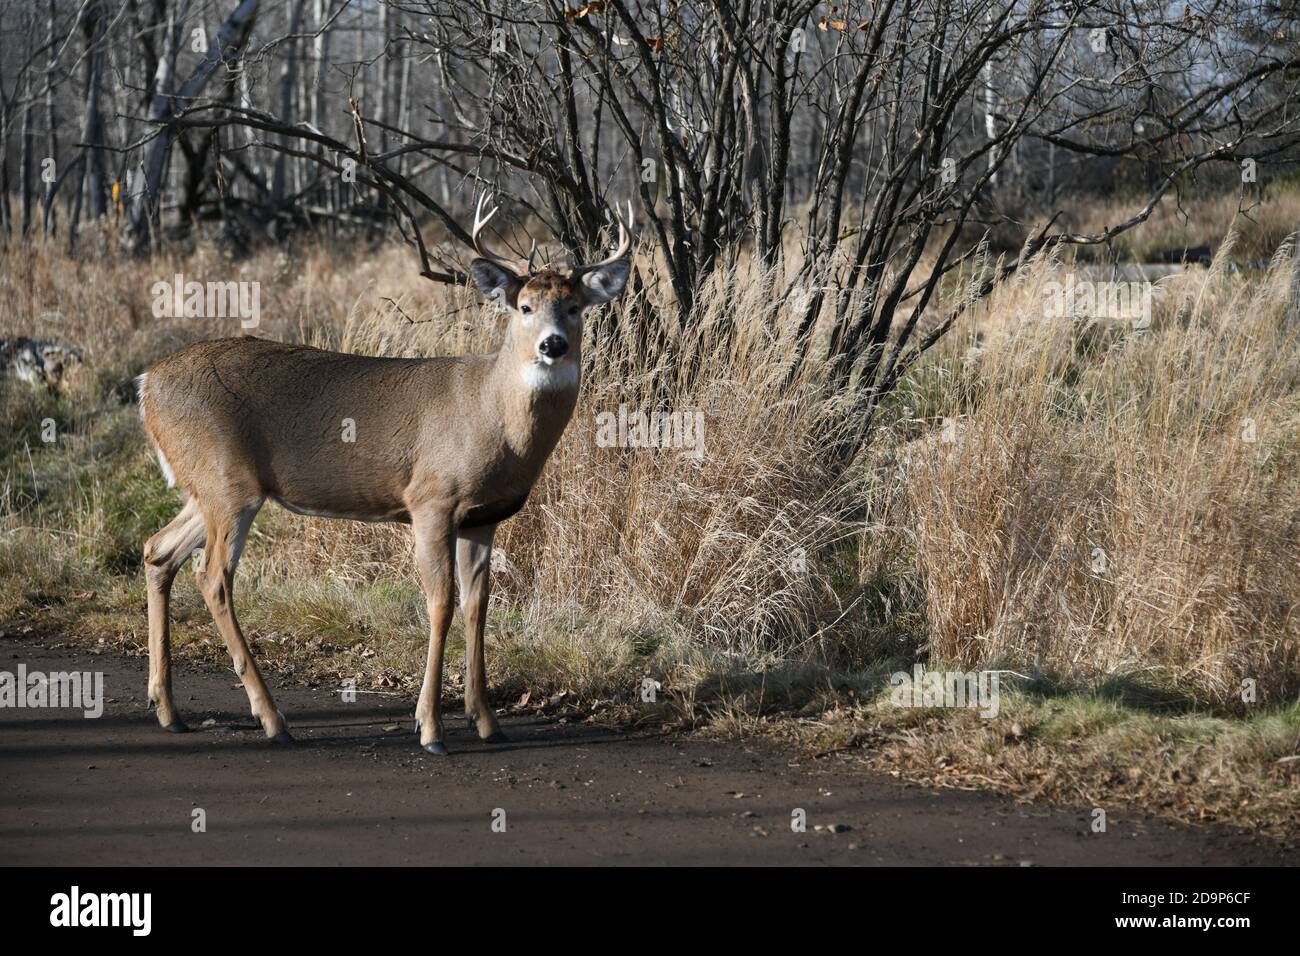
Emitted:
pixel 624 243
pixel 480 221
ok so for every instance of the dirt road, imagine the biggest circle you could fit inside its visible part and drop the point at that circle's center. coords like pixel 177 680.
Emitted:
pixel 356 789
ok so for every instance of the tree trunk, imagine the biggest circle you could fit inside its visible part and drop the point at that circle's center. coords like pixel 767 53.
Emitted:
pixel 96 177
pixel 288 74
pixel 321 49
pixel 51 124
pixel 5 211
pixel 25 160
pixel 230 40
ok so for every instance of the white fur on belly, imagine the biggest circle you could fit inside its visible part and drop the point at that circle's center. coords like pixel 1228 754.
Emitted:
pixel 550 377
pixel 314 513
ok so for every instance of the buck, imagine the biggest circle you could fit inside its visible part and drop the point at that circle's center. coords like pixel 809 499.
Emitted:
pixel 451 446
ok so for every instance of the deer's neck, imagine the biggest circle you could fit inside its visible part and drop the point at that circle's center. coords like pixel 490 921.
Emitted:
pixel 534 403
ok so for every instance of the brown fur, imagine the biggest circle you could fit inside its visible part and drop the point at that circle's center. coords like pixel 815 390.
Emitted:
pixel 450 446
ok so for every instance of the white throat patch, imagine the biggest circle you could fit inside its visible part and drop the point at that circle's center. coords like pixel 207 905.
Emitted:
pixel 549 378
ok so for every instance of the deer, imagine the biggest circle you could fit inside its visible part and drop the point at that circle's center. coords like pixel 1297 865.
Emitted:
pixel 451 446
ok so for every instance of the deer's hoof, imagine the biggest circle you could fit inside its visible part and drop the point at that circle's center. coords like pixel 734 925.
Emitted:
pixel 177 726
pixel 436 748
pixel 496 737
pixel 283 737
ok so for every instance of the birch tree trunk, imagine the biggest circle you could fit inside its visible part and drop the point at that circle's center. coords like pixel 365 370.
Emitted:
pixel 321 50
pixel 230 40
pixel 51 122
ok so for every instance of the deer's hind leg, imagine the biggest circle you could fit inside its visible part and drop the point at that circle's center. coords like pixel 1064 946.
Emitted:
pixel 227 530
pixel 164 553
pixel 473 572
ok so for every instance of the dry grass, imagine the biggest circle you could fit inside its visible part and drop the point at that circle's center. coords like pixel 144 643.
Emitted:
pixel 1121 503
pixel 1261 217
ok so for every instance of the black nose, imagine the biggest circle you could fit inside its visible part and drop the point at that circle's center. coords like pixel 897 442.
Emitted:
pixel 553 346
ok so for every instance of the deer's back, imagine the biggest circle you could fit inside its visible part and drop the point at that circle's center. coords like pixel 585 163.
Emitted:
pixel 325 432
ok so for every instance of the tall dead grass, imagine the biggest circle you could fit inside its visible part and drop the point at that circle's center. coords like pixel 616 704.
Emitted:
pixel 1259 217
pixel 1121 503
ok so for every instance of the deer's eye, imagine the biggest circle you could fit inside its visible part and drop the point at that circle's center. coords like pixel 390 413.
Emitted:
pixel 526 309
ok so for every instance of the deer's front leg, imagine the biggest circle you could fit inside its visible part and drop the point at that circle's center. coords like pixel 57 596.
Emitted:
pixel 435 556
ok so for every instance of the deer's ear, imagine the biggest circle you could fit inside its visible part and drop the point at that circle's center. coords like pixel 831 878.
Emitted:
pixel 607 282
pixel 495 282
